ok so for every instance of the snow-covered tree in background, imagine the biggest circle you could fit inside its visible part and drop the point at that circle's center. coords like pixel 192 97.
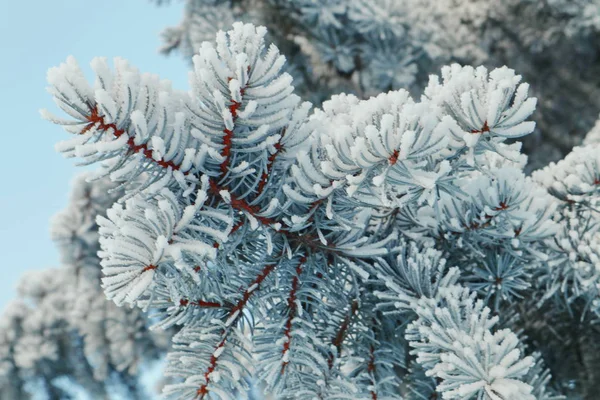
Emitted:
pixel 382 248
pixel 61 333
pixel 369 46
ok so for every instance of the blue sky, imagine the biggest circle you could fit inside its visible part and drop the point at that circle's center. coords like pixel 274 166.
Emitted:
pixel 34 36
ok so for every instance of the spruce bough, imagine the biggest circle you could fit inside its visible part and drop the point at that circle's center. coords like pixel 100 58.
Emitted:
pixel 380 248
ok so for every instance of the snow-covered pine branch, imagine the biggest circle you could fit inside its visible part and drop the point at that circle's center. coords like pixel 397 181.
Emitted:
pixel 454 342
pixel 451 330
pixel 306 252
pixel 574 268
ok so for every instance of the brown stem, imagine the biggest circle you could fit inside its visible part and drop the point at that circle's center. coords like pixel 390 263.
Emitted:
pixel 96 120
pixel 292 312
pixel 237 308
pixel 371 368
pixel 270 161
pixel 342 332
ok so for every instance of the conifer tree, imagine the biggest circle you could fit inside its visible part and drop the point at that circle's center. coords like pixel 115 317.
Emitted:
pixel 61 334
pixel 381 248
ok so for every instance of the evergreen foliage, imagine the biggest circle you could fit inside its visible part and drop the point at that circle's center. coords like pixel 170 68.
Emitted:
pixel 366 47
pixel 381 248
pixel 61 334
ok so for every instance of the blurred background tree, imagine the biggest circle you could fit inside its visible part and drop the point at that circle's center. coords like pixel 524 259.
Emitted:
pixel 366 47
pixel 61 334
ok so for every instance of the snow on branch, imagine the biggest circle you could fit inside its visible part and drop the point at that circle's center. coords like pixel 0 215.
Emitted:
pixel 308 252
